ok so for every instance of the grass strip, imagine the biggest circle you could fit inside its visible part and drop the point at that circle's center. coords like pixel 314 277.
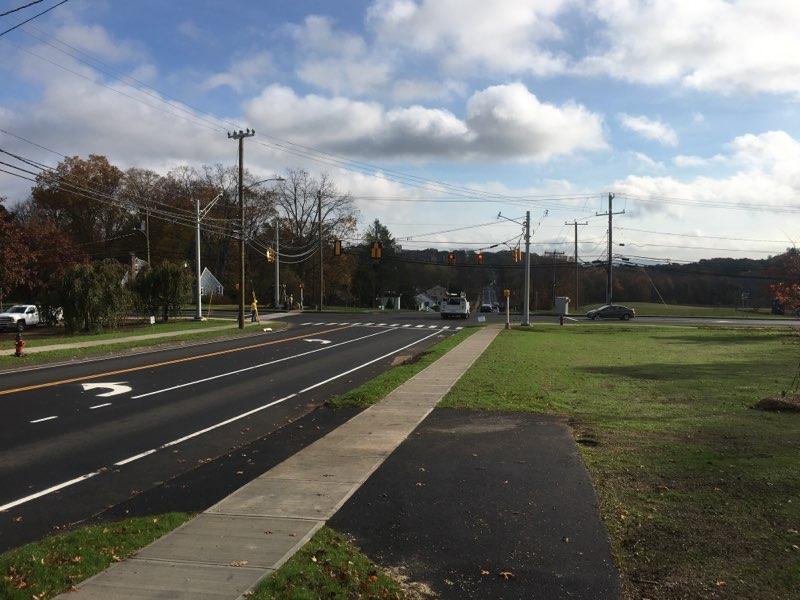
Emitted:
pixel 328 566
pixel 57 563
pixel 377 388
pixel 8 360
pixel 700 493
pixel 656 309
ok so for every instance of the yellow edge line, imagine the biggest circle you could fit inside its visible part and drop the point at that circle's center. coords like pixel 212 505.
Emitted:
pixel 165 363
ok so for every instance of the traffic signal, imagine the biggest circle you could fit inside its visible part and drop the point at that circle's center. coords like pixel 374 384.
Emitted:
pixel 516 255
pixel 479 258
pixel 270 255
pixel 337 247
pixel 451 258
pixel 376 250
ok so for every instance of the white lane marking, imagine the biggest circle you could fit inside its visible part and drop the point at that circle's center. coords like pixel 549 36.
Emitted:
pixel 305 323
pixel 100 405
pixel 334 323
pixel 407 325
pixel 395 325
pixel 446 327
pixel 130 459
pixel 431 326
pixel 368 363
pixel 320 340
pixel 272 362
pixel 49 490
pixel 419 326
pixel 226 422
pixel 319 323
pixel 368 324
pixel 381 324
pixel 457 328
pixel 116 388
pixel 44 419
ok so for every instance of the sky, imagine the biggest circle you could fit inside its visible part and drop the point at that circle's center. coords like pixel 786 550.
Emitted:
pixel 687 110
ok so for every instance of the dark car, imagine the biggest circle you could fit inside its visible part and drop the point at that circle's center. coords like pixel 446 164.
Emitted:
pixel 611 311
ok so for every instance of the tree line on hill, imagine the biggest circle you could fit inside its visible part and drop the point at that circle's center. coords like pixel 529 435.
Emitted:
pixel 69 244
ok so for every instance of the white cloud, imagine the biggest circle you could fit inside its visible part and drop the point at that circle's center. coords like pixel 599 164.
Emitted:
pixel 683 160
pixel 95 40
pixel 768 174
pixel 650 129
pixel 190 30
pixel 502 36
pixel 502 122
pixel 724 46
pixel 242 73
pixel 337 61
pixel 648 161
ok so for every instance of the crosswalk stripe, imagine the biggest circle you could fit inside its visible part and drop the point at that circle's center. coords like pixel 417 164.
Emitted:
pixel 459 328
pixel 431 326
pixel 395 325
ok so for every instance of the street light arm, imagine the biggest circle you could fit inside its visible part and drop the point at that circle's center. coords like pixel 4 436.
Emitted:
pixel 211 204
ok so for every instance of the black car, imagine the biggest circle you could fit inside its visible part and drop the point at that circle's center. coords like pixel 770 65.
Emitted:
pixel 611 311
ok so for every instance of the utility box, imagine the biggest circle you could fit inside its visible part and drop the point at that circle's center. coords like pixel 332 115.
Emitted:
pixel 562 305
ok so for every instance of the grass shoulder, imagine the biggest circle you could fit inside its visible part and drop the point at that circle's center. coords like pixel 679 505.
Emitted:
pixel 329 566
pixel 699 491
pixel 377 388
pixel 177 336
pixel 57 563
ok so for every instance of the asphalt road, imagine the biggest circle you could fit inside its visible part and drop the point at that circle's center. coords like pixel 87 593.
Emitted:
pixel 69 450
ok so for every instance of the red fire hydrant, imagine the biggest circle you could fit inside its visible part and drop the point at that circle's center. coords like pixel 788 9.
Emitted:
pixel 19 344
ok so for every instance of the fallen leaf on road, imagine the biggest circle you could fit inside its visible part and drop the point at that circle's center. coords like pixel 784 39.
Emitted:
pixel 506 574
pixel 484 572
pixel 238 563
pixel 268 532
pixel 17 519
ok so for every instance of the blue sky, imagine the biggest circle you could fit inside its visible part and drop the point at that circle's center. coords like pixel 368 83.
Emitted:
pixel 695 100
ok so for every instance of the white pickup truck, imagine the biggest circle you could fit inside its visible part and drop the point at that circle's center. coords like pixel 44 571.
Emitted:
pixel 455 307
pixel 19 316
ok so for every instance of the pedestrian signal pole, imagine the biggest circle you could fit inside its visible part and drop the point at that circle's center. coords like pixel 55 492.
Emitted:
pixel 507 294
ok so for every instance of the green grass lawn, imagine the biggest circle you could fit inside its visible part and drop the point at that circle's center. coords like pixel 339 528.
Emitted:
pixel 328 566
pixel 655 309
pixel 700 493
pixel 184 331
pixel 378 387
pixel 55 564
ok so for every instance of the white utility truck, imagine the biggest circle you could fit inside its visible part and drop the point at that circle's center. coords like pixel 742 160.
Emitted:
pixel 455 306
pixel 19 316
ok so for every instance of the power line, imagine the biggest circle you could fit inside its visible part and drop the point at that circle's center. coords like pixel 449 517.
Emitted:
pixel 13 10
pixel 28 20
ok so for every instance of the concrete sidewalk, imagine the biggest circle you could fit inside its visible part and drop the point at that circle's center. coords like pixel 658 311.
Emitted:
pixel 226 550
pixel 136 338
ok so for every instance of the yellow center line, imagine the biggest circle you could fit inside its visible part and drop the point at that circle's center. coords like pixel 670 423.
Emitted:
pixel 165 363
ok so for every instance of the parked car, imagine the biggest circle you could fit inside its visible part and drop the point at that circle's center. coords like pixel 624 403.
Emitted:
pixel 19 316
pixel 611 311
pixel 486 308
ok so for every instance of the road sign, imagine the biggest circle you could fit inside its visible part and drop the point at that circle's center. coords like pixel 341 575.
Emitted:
pixel 506 293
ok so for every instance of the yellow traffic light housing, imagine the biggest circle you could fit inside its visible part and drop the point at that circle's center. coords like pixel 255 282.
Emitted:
pixel 451 258
pixel 270 255
pixel 479 258
pixel 337 247
pixel 376 251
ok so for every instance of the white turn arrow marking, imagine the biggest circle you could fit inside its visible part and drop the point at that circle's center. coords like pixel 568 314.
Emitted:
pixel 117 388
pixel 317 340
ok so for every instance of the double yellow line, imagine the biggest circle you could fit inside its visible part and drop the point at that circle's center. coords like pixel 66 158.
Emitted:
pixel 164 363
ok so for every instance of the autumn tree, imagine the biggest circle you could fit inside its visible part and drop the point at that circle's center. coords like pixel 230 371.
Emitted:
pixel 15 254
pixel 163 288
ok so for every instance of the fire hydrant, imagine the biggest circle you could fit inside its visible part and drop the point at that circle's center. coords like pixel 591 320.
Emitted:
pixel 19 344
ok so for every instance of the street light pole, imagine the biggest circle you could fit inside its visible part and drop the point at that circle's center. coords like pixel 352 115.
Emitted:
pixel 198 315
pixel 526 316
pixel 277 262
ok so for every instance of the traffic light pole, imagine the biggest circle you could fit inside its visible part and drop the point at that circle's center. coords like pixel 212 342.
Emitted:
pixel 526 312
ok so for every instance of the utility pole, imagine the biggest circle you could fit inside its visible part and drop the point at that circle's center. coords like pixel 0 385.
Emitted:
pixel 577 268
pixel 239 136
pixel 277 262
pixel 610 214
pixel 319 227
pixel 526 311
pixel 147 234
pixel 555 254
pixel 198 315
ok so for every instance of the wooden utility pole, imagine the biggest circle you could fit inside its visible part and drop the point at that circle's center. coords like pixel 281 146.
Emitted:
pixel 555 254
pixel 240 135
pixel 319 227
pixel 577 267
pixel 610 214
